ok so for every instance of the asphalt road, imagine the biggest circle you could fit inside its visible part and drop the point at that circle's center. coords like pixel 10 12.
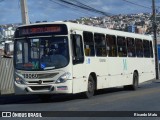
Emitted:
pixel 146 98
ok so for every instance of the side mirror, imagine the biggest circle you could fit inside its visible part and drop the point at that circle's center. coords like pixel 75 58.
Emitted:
pixel 8 50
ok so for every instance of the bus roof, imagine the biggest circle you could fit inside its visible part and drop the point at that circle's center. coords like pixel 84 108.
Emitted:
pixel 81 27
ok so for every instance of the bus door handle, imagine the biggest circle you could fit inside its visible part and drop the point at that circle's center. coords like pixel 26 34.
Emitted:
pixel 84 76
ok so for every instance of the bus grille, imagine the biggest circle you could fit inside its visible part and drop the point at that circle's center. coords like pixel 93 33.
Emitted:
pixel 47 75
pixel 44 81
pixel 40 87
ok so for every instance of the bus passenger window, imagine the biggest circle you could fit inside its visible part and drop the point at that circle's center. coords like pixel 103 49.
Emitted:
pixel 146 48
pixel 100 44
pixel 139 47
pixel 121 42
pixel 88 44
pixel 87 50
pixel 112 45
pixel 131 47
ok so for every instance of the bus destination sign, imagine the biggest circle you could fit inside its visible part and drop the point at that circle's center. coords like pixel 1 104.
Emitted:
pixel 27 31
pixel 38 30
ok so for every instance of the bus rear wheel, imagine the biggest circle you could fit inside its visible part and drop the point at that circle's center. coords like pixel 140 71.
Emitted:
pixel 135 81
pixel 91 88
pixel 134 85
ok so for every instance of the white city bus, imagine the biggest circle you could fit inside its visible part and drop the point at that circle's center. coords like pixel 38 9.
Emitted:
pixel 69 58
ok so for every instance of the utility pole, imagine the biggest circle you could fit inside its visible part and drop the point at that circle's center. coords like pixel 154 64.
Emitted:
pixel 24 12
pixel 154 26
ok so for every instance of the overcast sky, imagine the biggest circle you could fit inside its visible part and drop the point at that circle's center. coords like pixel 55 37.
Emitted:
pixel 46 10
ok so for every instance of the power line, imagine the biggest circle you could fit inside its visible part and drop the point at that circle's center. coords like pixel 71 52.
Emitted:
pixel 137 4
pixel 73 4
pixel 91 8
pixel 83 6
pixel 62 4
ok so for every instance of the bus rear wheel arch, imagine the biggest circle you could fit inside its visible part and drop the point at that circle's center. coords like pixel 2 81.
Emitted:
pixel 135 82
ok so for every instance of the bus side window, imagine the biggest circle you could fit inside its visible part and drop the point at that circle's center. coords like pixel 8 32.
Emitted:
pixel 139 47
pixel 77 49
pixel 88 43
pixel 146 48
pixel 122 50
pixel 131 47
pixel 100 45
pixel 151 49
pixel 112 45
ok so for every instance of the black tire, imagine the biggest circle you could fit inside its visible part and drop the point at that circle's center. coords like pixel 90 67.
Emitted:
pixel 134 85
pixel 91 88
pixel 45 97
pixel 135 81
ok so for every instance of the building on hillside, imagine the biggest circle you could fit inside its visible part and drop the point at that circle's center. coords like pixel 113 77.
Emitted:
pixel 132 28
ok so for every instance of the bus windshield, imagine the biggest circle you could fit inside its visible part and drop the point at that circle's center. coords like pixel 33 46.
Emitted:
pixel 41 53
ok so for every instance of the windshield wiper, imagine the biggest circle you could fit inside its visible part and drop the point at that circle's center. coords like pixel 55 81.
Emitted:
pixel 49 68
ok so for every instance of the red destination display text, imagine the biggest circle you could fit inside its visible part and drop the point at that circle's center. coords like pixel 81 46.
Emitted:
pixel 40 30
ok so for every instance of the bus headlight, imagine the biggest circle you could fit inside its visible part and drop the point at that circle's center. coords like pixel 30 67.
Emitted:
pixel 63 78
pixel 19 79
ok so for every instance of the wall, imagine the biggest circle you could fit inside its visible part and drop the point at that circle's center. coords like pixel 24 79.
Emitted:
pixel 6 76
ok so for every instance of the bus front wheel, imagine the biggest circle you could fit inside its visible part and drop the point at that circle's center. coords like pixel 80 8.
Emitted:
pixel 91 88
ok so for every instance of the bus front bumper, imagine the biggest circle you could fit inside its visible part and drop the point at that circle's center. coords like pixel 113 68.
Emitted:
pixel 61 88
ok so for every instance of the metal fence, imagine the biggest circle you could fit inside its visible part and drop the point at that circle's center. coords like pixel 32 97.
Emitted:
pixel 6 76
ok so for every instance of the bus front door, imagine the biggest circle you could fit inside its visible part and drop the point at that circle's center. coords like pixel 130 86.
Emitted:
pixel 79 82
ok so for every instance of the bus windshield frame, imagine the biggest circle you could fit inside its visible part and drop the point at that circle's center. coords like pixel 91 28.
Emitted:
pixel 41 47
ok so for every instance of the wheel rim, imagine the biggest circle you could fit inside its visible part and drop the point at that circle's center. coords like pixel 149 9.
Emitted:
pixel 90 86
pixel 135 80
